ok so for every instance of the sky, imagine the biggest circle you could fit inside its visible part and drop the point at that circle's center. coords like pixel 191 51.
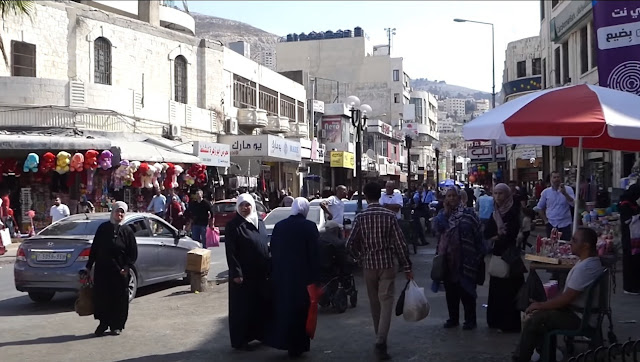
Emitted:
pixel 432 45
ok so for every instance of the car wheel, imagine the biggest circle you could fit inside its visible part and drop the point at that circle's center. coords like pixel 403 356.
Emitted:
pixel 41 297
pixel 340 301
pixel 133 285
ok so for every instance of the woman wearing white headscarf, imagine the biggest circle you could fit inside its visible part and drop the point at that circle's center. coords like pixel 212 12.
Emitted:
pixel 294 252
pixel 113 253
pixel 247 249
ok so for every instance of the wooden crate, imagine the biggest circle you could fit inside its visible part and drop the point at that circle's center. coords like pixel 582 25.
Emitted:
pixel 542 259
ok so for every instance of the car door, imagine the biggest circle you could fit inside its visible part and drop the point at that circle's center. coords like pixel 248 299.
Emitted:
pixel 148 250
pixel 173 258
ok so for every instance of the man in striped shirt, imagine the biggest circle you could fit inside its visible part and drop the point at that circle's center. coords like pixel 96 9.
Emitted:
pixel 375 240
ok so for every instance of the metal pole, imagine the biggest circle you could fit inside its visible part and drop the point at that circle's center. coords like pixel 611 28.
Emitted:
pixel 437 169
pixel 408 142
pixel 359 158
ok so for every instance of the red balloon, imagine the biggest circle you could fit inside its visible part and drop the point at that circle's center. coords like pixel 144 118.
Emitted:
pixel 472 179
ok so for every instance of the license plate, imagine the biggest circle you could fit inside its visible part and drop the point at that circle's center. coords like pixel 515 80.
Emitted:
pixel 51 257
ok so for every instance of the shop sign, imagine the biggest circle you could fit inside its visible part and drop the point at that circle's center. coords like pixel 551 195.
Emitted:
pixel 376 126
pixel 343 159
pixel 318 106
pixel 332 127
pixel 528 153
pixel 564 22
pixel 391 169
pixel 399 135
pixel 317 151
pixel 264 146
pixel 212 154
pixel 481 152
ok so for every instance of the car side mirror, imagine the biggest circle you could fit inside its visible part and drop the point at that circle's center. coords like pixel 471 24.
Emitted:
pixel 181 234
pixel 347 222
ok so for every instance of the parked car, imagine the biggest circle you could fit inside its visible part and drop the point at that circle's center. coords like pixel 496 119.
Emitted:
pixel 50 261
pixel 225 210
pixel 315 214
pixel 382 191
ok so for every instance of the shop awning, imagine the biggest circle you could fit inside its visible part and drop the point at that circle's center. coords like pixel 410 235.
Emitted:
pixel 52 142
pixel 146 150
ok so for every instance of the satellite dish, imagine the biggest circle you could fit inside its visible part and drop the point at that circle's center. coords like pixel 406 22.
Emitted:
pixel 371 154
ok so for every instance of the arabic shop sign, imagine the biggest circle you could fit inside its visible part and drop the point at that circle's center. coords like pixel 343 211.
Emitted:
pixel 481 152
pixel 343 159
pixel 264 146
pixel 563 23
pixel 212 154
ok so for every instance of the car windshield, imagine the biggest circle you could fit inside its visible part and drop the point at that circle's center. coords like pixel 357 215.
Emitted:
pixel 280 214
pixel 350 207
pixel 72 227
pixel 224 207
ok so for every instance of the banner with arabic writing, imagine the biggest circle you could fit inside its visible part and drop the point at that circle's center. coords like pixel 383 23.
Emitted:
pixel 617 26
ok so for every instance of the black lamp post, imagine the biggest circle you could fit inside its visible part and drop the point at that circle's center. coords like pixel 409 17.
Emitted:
pixel 453 156
pixel 359 122
pixel 436 148
pixel 408 141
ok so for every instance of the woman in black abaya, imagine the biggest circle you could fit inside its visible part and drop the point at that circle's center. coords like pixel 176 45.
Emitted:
pixel 247 249
pixel 503 229
pixel 113 253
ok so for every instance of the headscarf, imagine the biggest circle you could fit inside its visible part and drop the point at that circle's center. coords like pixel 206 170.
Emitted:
pixel 118 205
pixel 501 209
pixel 300 206
pixel 253 216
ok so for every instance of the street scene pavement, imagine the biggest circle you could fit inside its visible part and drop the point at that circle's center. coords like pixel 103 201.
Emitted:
pixel 169 323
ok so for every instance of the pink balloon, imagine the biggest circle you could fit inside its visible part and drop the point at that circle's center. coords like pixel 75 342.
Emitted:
pixel 31 214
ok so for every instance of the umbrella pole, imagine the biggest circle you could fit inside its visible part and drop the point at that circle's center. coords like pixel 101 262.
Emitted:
pixel 577 193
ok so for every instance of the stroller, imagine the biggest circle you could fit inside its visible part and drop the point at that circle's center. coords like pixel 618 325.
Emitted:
pixel 336 277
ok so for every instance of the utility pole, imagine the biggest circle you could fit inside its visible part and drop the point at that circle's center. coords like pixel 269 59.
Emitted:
pixel 390 32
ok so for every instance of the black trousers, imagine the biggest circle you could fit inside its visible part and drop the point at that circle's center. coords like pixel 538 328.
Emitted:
pixel 456 294
pixel 630 269
pixel 417 226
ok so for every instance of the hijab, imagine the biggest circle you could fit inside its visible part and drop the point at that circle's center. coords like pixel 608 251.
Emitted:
pixel 300 206
pixel 252 218
pixel 501 209
pixel 118 205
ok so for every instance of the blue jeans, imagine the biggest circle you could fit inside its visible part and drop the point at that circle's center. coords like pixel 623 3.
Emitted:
pixel 199 234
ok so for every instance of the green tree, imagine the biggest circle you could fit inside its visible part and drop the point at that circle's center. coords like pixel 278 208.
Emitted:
pixel 16 7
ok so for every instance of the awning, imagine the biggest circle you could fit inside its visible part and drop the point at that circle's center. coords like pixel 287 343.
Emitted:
pixel 149 151
pixel 52 142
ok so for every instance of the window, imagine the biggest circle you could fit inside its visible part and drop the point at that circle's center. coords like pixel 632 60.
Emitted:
pixel 287 107
pixel 159 229
pixel 536 66
pixel 301 117
pixel 139 228
pixel 244 93
pixel 180 79
pixel 554 3
pixel 565 63
pixel 594 47
pixel 269 101
pixel 557 65
pixel 584 50
pixel 102 61
pixel 394 152
pixel 521 69
pixel 396 75
pixel 396 97
pixel 541 10
pixel 544 73
pixel 23 59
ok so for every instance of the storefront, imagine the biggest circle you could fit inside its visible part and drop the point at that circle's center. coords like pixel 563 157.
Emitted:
pixel 342 165
pixel 268 163
pixel 217 158
pixel 312 163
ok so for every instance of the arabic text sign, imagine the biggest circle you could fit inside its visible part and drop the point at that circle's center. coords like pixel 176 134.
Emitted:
pixel 343 159
pixel 617 25
pixel 264 146
pixel 212 154
pixel 483 153
pixel 333 129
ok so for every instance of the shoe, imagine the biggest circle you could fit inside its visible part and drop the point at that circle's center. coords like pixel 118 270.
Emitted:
pixel 381 352
pixel 469 326
pixel 99 332
pixel 116 332
pixel 450 324
pixel 630 293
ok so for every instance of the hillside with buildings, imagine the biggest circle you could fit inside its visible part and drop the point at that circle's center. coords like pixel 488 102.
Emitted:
pixel 441 89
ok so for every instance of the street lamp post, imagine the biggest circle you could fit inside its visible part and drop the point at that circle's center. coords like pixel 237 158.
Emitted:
pixel 436 149
pixel 408 141
pixel 453 157
pixel 359 122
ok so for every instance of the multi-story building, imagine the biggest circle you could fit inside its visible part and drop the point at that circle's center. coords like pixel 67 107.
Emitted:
pixel 426 123
pixel 523 75
pixel 349 66
pixel 482 105
pixel 569 56
pixel 133 76
pixel 268 58
pixel 455 107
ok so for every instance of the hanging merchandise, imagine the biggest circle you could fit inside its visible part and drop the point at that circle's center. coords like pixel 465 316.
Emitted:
pixel 169 174
pixel 158 167
pixel 130 178
pixel 197 174
pixel 163 175
pixel 48 162
pixel 11 168
pixel 143 179
pixel 31 163
pixel 148 177
pixel 120 174
pixel 77 162
pixel 90 174
pixel 63 161
pixel 178 171
pixel 91 159
pixel 105 160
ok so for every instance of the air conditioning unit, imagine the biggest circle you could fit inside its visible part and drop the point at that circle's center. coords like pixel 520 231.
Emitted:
pixel 232 126
pixel 175 130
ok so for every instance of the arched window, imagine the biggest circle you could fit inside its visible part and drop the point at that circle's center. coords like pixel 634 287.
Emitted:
pixel 102 61
pixel 180 79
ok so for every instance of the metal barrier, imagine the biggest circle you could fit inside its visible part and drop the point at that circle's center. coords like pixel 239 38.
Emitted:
pixel 617 352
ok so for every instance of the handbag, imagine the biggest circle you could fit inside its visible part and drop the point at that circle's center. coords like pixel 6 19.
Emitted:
pixel 437 269
pixel 84 304
pixel 5 235
pixel 497 267
pixel 212 237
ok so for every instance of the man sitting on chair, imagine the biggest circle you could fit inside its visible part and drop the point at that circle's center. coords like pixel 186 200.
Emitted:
pixel 557 313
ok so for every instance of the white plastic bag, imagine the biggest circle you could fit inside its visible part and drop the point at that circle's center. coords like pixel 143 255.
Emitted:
pixel 416 306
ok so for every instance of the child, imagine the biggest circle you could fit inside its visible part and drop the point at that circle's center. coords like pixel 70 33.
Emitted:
pixel 525 229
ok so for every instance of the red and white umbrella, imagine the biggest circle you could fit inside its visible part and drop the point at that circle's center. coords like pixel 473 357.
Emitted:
pixel 583 116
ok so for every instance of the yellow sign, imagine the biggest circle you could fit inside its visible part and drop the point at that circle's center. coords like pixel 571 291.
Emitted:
pixel 343 159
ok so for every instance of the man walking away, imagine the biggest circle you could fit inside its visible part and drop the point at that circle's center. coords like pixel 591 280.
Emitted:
pixel 421 200
pixel 471 197
pixel 484 207
pixel 334 206
pixel 58 211
pixel 375 240
pixel 158 204
pixel 200 215
pixel 555 207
